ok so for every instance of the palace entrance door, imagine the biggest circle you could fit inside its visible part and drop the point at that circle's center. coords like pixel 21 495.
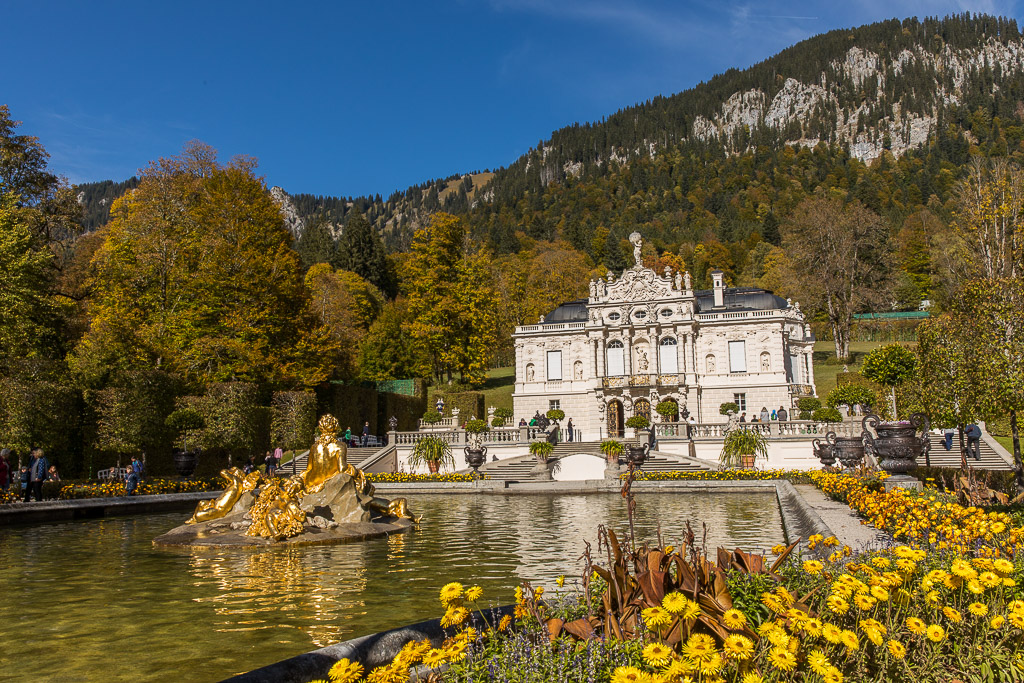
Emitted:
pixel 642 406
pixel 614 417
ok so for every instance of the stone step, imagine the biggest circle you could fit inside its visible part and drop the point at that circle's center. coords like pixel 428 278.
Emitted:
pixel 940 457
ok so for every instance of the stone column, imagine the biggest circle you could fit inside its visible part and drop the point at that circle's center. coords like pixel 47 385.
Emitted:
pixel 627 348
pixel 656 351
pixel 681 365
pixel 600 369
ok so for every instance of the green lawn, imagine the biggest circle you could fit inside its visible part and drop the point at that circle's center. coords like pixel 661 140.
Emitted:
pixel 497 389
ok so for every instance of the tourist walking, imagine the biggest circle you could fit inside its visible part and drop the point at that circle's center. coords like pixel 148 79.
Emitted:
pixel 278 454
pixel 947 435
pixel 268 463
pixel 137 467
pixel 366 433
pixel 5 469
pixel 348 436
pixel 783 415
pixel 973 434
pixel 569 428
pixel 37 475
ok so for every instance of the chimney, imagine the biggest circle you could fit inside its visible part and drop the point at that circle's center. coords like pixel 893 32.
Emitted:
pixel 718 282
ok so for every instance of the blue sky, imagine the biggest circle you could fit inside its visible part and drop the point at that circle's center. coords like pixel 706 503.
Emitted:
pixel 359 98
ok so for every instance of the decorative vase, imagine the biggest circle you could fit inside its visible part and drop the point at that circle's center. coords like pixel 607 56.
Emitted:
pixel 542 470
pixel 433 466
pixel 185 463
pixel 824 453
pixel 747 461
pixel 637 455
pixel 848 449
pixel 475 457
pixel 897 445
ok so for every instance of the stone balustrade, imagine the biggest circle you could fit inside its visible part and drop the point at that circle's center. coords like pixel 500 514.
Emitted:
pixel 791 429
pixel 458 437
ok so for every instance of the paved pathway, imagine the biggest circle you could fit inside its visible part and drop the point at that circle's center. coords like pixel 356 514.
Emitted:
pixel 845 524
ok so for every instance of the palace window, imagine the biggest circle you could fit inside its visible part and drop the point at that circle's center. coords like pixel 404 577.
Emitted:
pixel 737 356
pixel 741 401
pixel 640 315
pixel 667 356
pixel 666 313
pixel 614 317
pixel 554 405
pixel 554 365
pixel 616 366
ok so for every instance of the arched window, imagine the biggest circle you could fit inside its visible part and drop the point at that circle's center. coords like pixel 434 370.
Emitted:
pixel 616 365
pixel 668 359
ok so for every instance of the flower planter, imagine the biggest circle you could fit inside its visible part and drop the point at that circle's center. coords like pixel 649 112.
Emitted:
pixel 747 461
pixel 433 466
pixel 897 445
pixel 475 457
pixel 542 470
pixel 637 455
pixel 185 463
pixel 824 453
pixel 848 449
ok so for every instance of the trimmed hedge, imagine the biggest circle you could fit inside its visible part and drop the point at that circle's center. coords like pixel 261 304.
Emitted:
pixel 469 403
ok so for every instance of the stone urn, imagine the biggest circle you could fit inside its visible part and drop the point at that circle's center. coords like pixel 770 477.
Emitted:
pixel 185 462
pixel 475 457
pixel 848 449
pixel 637 455
pixel 824 453
pixel 897 445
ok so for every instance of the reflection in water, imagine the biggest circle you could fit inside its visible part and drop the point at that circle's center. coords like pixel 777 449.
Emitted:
pixel 78 595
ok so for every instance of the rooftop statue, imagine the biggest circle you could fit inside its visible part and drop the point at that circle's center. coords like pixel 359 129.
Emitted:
pixel 636 241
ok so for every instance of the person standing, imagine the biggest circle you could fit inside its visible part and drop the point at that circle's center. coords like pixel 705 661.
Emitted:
pixel 366 433
pixel 37 474
pixel 783 415
pixel 743 417
pixel 973 434
pixel 348 436
pixel 268 464
pixel 569 427
pixel 5 469
pixel 131 481
pixel 764 414
pixel 278 454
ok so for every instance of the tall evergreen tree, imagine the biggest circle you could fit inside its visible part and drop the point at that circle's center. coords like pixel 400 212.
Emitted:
pixel 316 245
pixel 361 251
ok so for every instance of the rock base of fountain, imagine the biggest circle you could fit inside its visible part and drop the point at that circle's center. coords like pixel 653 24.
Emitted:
pixel 221 533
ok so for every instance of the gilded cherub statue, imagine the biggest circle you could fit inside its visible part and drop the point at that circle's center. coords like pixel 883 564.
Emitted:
pixel 327 457
pixel 277 513
pixel 237 484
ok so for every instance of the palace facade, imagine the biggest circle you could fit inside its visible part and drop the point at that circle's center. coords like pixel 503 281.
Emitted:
pixel 644 338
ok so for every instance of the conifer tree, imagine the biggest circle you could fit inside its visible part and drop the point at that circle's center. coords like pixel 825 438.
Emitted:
pixel 361 251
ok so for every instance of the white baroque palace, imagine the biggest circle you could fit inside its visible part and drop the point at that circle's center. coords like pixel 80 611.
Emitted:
pixel 645 338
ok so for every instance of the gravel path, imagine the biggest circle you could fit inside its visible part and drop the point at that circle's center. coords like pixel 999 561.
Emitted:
pixel 845 524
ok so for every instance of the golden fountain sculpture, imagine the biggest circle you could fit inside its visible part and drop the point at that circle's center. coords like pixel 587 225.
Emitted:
pixel 328 484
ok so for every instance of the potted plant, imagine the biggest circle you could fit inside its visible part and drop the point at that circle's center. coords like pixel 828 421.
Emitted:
pixel 728 408
pixel 185 421
pixel 742 446
pixel 541 450
pixel 476 452
pixel 669 411
pixel 612 449
pixel 433 452
pixel 431 417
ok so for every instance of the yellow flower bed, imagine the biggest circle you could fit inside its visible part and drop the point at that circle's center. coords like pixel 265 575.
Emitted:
pixel 797 476
pixel 921 518
pixel 146 488
pixel 405 477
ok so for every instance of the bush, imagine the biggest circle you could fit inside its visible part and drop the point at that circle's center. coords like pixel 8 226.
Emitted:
pixel 498 422
pixel 431 417
pixel 851 395
pixel 667 409
pixel 469 403
pixel 827 415
pixel 556 414
pixel 476 426
pixel 293 419
pixel 638 422
pixel 728 408
pixel 808 404
pixel 503 413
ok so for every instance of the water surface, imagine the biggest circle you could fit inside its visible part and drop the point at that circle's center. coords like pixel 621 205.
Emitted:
pixel 95 601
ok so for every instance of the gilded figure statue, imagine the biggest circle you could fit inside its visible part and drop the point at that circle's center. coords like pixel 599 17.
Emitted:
pixel 237 483
pixel 276 513
pixel 327 458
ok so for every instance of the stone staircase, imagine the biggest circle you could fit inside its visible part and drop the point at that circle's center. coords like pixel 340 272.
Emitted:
pixel 355 457
pixel 940 457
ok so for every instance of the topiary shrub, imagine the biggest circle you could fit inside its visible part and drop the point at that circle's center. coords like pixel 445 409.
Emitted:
pixel 669 410
pixel 827 415
pixel 808 404
pixel 431 417
pixel 728 408
pixel 851 395
pixel 556 414
pixel 638 422
pixel 503 413
pixel 476 426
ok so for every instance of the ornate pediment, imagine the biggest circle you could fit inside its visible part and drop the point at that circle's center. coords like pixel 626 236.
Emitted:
pixel 636 284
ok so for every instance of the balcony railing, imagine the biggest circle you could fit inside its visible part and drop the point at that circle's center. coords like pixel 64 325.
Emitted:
pixel 640 381
pixel 792 429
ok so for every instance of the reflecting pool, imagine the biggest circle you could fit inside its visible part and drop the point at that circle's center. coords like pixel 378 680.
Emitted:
pixel 95 601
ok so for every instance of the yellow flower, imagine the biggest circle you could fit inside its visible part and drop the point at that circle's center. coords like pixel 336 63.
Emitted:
pixel 560 580
pixel 837 604
pixel 932 597
pixel 738 647
pixel 952 615
pixel 935 633
pixel 657 654
pixel 473 594
pixel 456 651
pixel 990 579
pixel 963 569
pixel 904 552
pixel 345 671
pixel 656 617
pixel 537 592
pixel 752 678
pixel 1002 566
pixel 677 668
pixel 864 602
pixel 975 586
pixel 978 609
pixel 832 675
pixel 772 602
pixel 454 616
pixel 734 619
pixel 880 562
pixel 674 602
pixel 896 649
pixel 450 593
pixel 779 549
pixel 997 622
pixel 505 622
pixel 879 593
pixel 817 660
pixel 628 674
pixel 849 640
pixel 1017 619
pixel 813 566
pixel 700 649
pixel 832 633
pixel 712 665
pixel 782 659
